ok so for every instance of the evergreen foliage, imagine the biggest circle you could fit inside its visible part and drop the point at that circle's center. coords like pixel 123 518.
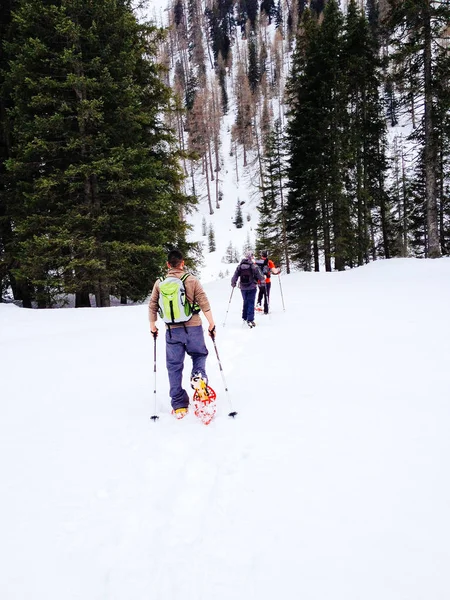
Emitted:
pixel 337 200
pixel 96 197
pixel 268 6
pixel 366 141
pixel 211 239
pixel 5 220
pixel 254 73
pixel 247 10
pixel 270 232
pixel 248 247
pixel 417 33
pixel 221 27
pixel 307 169
pixel 317 6
pixel 238 220
pixel 231 255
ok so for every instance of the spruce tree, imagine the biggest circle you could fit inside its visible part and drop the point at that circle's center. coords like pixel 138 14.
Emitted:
pixel 97 186
pixel 238 220
pixel 333 96
pixel 248 247
pixel 254 73
pixel 5 221
pixel 315 136
pixel 416 28
pixel 230 253
pixel 271 234
pixel 365 141
pixel 211 239
pixel 306 167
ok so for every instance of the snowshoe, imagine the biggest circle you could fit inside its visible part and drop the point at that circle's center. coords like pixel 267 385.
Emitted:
pixel 204 399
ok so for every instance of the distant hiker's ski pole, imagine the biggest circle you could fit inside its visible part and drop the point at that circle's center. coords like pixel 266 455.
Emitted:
pixel 154 417
pixel 233 413
pixel 281 289
pixel 229 303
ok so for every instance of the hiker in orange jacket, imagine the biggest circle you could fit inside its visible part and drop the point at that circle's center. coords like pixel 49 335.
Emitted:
pixel 267 267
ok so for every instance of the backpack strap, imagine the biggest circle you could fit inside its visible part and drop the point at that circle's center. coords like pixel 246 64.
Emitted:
pixel 194 306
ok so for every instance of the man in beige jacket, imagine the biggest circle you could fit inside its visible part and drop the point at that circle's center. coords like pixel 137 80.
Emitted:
pixel 183 337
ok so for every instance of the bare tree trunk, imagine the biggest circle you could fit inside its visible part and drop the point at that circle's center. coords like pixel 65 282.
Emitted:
pixel 82 299
pixel 316 250
pixel 181 138
pixel 205 159
pixel 430 151
pixel 442 200
pixel 405 208
pixel 258 154
pixel 217 192
pixel 193 180
pixel 210 156
pixel 360 212
pixel 413 108
pixel 326 233
pixel 216 139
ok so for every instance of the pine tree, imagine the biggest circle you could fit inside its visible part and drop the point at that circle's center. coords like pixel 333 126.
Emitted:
pixel 254 73
pixel 211 238
pixel 204 227
pixel 442 121
pixel 313 169
pixel 230 254
pixel 271 234
pixel 268 6
pixel 221 27
pixel 416 28
pixel 95 174
pixel 6 233
pixel 304 141
pixel 248 247
pixel 335 201
pixel 365 141
pixel 238 220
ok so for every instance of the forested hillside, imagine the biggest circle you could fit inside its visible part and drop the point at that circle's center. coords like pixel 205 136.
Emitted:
pixel 340 115
pixel 112 129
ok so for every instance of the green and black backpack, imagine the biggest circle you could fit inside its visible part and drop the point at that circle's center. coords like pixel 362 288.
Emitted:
pixel 174 306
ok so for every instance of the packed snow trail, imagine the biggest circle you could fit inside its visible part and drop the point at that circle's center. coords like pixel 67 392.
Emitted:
pixel 331 482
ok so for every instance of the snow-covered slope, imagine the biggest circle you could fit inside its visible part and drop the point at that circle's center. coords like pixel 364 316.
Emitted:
pixel 332 482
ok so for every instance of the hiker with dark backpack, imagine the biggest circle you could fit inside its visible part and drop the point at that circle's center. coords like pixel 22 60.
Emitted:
pixel 178 299
pixel 248 274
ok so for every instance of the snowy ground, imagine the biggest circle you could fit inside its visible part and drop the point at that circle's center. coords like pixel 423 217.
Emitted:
pixel 332 482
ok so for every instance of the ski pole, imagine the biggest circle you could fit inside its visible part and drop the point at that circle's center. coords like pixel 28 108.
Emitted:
pixel 281 289
pixel 154 417
pixel 229 303
pixel 233 413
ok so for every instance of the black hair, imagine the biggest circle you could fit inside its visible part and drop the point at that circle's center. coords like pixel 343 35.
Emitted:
pixel 175 258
